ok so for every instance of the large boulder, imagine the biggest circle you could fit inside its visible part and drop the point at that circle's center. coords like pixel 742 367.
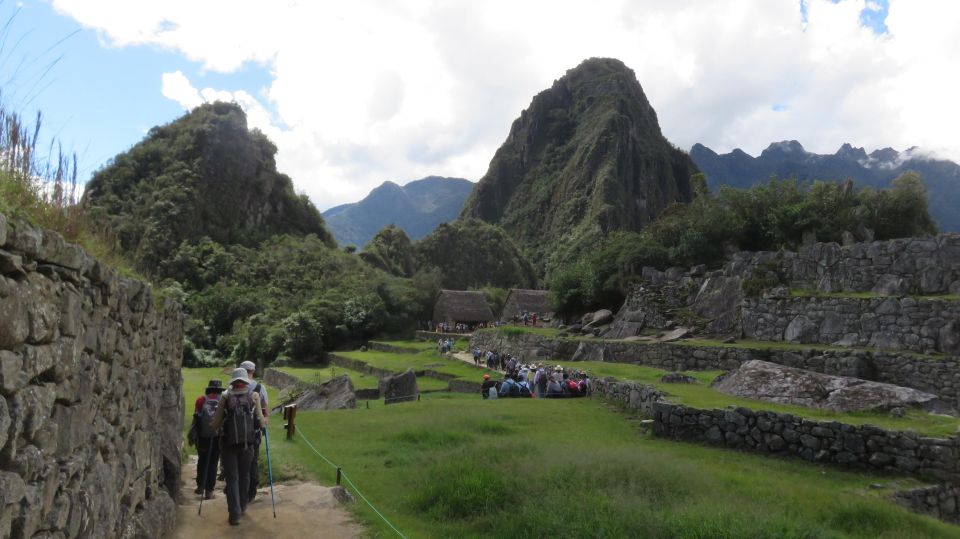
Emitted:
pixel 786 385
pixel 399 387
pixel 719 300
pixel 335 394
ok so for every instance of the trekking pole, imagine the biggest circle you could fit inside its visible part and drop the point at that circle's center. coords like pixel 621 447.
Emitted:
pixel 206 470
pixel 273 499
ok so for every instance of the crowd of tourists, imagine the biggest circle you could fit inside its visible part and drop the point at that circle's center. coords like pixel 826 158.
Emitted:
pixel 228 425
pixel 530 381
pixel 526 318
pixel 459 327
pixel 444 346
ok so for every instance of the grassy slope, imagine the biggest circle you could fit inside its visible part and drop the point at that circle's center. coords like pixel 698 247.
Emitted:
pixel 701 396
pixel 318 375
pixel 428 359
pixel 457 466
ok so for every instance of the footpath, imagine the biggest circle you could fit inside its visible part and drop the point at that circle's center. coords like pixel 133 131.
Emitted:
pixel 304 509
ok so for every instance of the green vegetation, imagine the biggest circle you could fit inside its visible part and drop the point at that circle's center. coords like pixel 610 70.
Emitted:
pixel 472 254
pixel 290 298
pixel 457 466
pixel 702 396
pixel 520 330
pixel 765 217
pixel 391 250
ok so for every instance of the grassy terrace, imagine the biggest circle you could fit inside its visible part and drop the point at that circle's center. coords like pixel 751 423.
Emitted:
pixel 317 375
pixel 701 396
pixel 425 360
pixel 458 466
pixel 867 295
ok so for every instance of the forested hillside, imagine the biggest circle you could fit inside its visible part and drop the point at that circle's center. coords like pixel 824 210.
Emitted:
pixel 205 175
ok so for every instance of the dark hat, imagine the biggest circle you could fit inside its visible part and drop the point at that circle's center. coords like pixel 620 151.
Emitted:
pixel 214 386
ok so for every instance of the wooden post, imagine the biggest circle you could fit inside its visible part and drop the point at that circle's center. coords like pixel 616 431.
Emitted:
pixel 338 476
pixel 290 415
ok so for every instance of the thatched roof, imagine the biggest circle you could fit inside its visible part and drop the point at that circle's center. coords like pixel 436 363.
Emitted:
pixel 462 306
pixel 531 301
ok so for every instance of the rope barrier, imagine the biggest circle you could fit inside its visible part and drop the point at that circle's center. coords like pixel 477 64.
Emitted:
pixel 352 485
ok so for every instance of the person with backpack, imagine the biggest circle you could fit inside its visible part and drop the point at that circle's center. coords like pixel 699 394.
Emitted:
pixel 258 388
pixel 239 418
pixel 204 436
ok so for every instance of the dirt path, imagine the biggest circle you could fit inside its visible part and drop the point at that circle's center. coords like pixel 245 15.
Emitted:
pixel 303 510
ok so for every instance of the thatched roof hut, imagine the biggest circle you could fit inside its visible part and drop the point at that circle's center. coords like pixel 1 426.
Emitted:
pixel 531 301
pixel 461 306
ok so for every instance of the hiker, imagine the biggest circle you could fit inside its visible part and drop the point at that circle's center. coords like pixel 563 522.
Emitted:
pixel 509 387
pixel 540 382
pixel 205 438
pixel 476 356
pixel 240 415
pixel 486 386
pixel 257 388
pixel 554 389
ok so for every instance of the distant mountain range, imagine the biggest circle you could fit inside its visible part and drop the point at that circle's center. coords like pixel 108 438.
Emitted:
pixel 417 208
pixel 788 159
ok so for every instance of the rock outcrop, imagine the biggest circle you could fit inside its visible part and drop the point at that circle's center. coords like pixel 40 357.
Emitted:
pixel 785 385
pixel 335 394
pixel 586 158
pixel 399 387
pixel 91 408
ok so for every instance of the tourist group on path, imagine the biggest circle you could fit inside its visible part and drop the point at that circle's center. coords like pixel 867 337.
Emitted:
pixel 521 380
pixel 228 427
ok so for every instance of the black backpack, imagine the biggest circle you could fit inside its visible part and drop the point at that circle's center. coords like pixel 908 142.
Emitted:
pixel 240 421
pixel 205 417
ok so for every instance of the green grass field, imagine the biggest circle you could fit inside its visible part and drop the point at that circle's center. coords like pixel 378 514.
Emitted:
pixel 702 396
pixel 458 466
pixel 867 295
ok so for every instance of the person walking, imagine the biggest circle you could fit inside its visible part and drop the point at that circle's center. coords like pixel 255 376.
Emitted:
pixel 259 389
pixel 238 417
pixel 207 440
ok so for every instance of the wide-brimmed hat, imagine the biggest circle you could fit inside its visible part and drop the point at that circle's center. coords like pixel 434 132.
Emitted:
pixel 214 386
pixel 486 376
pixel 239 375
pixel 248 366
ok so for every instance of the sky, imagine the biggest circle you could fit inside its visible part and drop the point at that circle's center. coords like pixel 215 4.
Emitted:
pixel 355 93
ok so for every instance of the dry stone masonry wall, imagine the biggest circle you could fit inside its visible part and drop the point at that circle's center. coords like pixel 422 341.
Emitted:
pixel 862 446
pixel 90 395
pixel 939 501
pixel 920 325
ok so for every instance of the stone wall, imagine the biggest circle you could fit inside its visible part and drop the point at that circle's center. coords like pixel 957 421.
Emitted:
pixel 939 501
pixel 631 395
pixel 861 446
pixel 940 376
pixel 91 407
pixel 920 325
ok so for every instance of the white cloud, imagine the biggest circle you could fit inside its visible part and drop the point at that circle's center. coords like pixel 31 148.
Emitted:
pixel 367 91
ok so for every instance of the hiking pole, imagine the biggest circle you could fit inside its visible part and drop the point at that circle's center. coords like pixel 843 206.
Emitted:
pixel 206 471
pixel 273 499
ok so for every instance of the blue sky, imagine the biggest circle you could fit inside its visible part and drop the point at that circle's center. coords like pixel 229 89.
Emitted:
pixel 97 100
pixel 357 93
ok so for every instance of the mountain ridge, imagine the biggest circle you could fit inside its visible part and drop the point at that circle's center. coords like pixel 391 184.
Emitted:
pixel 789 159
pixel 416 208
pixel 585 158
